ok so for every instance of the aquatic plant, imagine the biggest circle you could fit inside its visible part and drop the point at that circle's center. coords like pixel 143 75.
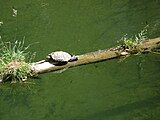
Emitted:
pixel 14 61
pixel 131 43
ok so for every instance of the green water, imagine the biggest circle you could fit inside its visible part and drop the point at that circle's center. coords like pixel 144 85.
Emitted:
pixel 109 90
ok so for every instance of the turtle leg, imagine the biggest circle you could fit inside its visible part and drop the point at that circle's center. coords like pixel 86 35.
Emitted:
pixel 53 61
pixel 60 63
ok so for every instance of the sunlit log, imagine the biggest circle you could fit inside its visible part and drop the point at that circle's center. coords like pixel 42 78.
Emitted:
pixel 150 45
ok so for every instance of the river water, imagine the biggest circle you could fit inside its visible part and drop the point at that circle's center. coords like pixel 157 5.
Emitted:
pixel 118 89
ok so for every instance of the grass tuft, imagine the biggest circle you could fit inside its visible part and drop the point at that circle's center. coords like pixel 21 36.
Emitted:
pixel 130 43
pixel 14 61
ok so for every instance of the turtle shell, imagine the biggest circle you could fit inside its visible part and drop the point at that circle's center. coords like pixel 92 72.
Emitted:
pixel 60 56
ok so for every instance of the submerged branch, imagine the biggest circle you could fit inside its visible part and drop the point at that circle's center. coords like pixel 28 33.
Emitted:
pixel 150 45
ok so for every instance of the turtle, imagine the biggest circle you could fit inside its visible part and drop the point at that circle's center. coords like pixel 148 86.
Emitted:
pixel 60 58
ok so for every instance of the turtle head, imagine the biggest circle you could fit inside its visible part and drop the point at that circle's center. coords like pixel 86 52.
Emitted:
pixel 73 58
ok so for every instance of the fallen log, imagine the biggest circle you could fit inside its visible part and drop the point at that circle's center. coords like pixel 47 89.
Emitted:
pixel 149 45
